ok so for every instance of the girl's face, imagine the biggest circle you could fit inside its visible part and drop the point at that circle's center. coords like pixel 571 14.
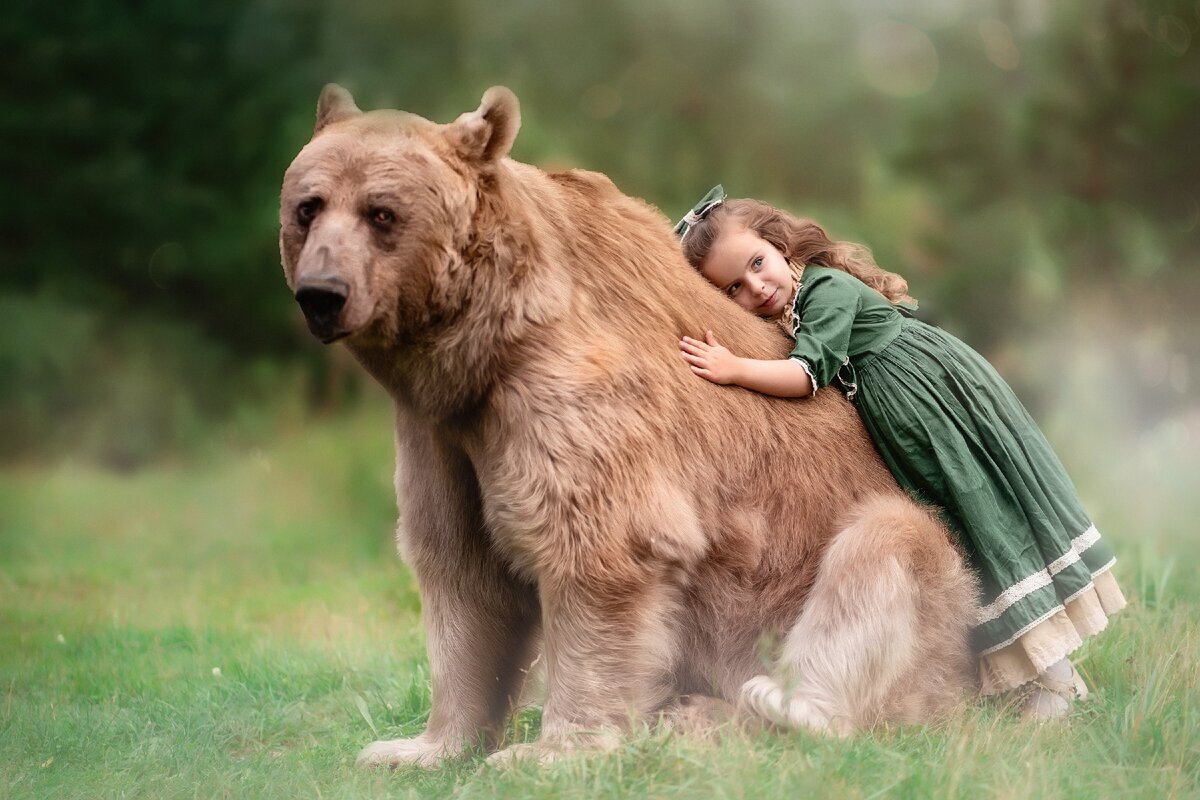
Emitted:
pixel 749 270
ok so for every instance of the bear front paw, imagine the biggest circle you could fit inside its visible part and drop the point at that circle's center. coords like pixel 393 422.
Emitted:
pixel 531 752
pixel 416 751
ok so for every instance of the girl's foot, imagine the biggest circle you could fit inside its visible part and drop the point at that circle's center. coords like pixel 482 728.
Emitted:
pixel 1054 692
pixel 1044 704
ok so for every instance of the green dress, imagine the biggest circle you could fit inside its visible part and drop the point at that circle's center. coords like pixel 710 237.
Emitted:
pixel 956 437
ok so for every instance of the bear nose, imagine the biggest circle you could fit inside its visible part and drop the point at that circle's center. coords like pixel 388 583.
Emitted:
pixel 322 301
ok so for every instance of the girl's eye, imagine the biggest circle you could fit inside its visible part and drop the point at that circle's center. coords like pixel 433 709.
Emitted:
pixel 733 289
pixel 758 262
pixel 382 216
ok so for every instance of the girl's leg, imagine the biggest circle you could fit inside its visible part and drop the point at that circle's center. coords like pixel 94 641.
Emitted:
pixel 1055 691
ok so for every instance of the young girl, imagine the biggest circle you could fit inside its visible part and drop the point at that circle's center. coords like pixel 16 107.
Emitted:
pixel 952 432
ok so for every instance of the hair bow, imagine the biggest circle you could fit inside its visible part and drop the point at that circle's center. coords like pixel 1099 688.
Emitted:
pixel 714 198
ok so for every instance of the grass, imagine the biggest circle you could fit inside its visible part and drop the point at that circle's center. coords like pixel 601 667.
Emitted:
pixel 239 626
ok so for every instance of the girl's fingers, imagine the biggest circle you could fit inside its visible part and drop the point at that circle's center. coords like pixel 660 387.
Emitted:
pixel 711 338
pixel 693 347
pixel 695 360
pixel 703 373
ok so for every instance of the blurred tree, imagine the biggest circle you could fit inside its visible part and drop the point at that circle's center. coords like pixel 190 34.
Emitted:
pixel 144 142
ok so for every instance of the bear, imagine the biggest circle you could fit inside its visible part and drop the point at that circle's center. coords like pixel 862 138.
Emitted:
pixel 569 488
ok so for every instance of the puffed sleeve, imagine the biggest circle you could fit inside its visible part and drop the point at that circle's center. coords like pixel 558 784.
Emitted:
pixel 827 306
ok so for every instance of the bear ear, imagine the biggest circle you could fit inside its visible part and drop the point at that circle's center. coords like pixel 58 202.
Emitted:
pixel 487 133
pixel 335 105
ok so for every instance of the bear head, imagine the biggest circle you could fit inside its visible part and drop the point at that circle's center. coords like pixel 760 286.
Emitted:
pixel 377 211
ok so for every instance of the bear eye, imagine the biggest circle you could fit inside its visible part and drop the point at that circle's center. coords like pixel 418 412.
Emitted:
pixel 307 211
pixel 381 217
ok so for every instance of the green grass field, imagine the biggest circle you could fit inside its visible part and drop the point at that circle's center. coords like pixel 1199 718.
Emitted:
pixel 239 626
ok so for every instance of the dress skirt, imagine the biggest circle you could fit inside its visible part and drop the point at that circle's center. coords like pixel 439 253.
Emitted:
pixel 956 437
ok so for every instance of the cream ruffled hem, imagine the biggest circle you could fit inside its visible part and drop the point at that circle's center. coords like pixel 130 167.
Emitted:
pixel 1053 639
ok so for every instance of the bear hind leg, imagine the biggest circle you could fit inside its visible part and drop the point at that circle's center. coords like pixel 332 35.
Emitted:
pixel 864 649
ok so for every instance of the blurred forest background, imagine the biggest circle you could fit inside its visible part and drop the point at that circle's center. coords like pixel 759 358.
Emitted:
pixel 1032 167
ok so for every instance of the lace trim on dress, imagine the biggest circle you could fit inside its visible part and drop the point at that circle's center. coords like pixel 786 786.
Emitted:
pixel 1055 638
pixel 788 319
pixel 1091 587
pixel 807 369
pixel 1037 580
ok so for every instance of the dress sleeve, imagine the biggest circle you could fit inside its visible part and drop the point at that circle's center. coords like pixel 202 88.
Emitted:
pixel 826 309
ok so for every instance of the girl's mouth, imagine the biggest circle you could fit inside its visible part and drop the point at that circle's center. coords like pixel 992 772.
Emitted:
pixel 766 303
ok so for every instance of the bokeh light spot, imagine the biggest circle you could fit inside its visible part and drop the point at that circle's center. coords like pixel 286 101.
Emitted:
pixel 167 263
pixel 998 44
pixel 898 59
pixel 1174 34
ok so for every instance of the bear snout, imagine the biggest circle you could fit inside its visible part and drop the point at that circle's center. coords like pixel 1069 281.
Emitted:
pixel 322 301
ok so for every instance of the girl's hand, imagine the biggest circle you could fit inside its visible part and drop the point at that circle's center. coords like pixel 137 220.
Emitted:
pixel 709 359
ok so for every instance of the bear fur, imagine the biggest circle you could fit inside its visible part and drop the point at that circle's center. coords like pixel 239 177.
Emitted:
pixel 567 483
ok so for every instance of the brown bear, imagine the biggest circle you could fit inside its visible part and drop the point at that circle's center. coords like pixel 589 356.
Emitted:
pixel 566 481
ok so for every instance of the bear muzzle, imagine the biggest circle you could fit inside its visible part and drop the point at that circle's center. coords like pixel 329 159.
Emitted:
pixel 322 301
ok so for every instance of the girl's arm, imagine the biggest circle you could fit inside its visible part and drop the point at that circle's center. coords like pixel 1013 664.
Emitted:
pixel 777 377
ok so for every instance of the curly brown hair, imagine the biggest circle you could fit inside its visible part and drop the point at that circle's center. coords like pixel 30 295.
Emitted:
pixel 801 241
